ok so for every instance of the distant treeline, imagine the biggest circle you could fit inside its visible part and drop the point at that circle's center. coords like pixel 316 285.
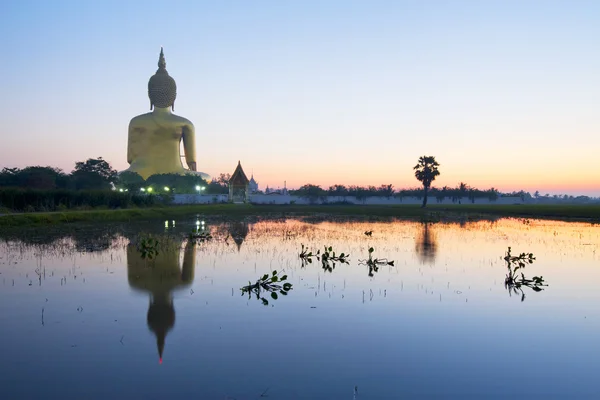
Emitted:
pixel 461 192
pixel 360 192
pixel 97 174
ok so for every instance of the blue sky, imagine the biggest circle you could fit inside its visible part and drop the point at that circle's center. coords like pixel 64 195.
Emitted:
pixel 503 93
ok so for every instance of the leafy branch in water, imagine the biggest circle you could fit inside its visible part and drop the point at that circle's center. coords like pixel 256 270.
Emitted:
pixel 269 284
pixel 328 258
pixel 514 280
pixel 306 256
pixel 148 247
pixel 375 263
pixel 200 236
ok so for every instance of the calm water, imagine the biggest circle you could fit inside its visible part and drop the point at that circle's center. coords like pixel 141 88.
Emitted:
pixel 82 315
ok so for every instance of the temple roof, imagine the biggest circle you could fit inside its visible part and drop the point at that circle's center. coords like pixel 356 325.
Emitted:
pixel 238 177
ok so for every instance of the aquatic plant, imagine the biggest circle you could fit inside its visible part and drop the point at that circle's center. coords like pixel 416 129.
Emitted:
pixel 148 247
pixel 307 255
pixel 270 284
pixel 375 263
pixel 200 236
pixel 328 255
pixel 514 280
pixel 328 258
pixel 369 233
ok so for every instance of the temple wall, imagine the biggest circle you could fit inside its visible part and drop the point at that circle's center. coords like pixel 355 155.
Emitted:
pixel 199 198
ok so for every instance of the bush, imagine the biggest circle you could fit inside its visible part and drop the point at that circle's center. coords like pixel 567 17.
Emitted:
pixel 60 200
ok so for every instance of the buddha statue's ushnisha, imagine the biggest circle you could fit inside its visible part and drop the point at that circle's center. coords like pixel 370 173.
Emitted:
pixel 155 138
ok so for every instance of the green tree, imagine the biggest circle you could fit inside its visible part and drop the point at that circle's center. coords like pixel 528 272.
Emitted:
pixel 312 192
pixel 130 181
pixel 35 177
pixel 426 171
pixel 95 173
pixel 176 183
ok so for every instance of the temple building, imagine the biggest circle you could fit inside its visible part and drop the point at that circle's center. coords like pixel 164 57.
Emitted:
pixel 238 186
pixel 252 185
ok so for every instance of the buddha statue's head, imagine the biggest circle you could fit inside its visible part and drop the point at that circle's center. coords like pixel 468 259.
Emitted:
pixel 162 89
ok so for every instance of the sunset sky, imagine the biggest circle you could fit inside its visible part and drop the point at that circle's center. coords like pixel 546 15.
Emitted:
pixel 502 93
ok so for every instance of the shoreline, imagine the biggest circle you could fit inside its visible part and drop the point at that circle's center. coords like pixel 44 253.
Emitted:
pixel 433 213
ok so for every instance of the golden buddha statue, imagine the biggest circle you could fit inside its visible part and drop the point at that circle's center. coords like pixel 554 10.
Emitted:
pixel 154 140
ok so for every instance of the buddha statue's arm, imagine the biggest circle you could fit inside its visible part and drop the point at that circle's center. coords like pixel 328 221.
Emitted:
pixel 130 146
pixel 189 145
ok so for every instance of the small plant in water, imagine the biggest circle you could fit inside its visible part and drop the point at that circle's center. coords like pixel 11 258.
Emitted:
pixel 270 284
pixel 328 258
pixel 200 236
pixel 375 263
pixel 306 256
pixel 148 247
pixel 369 233
pixel 514 280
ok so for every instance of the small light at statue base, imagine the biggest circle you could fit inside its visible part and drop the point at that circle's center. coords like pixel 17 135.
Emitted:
pixel 166 189
pixel 197 187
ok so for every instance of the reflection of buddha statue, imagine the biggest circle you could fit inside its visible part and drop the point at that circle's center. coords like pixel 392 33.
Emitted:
pixel 426 245
pixel 161 276
pixel 154 138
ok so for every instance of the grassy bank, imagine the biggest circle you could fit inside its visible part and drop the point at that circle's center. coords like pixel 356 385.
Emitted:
pixel 433 213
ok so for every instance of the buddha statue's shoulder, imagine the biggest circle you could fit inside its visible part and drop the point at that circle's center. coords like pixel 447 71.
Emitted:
pixel 180 120
pixel 138 119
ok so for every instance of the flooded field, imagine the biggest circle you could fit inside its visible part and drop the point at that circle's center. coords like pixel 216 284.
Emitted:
pixel 410 310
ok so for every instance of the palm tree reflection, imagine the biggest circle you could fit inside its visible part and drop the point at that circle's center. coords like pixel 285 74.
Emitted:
pixel 426 244
pixel 160 277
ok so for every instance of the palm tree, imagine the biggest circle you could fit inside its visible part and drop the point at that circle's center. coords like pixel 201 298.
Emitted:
pixel 425 171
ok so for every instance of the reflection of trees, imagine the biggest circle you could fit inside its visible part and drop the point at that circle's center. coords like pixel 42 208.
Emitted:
pixel 426 244
pixel 160 277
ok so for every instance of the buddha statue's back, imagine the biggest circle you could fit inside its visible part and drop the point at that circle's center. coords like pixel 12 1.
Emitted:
pixel 154 138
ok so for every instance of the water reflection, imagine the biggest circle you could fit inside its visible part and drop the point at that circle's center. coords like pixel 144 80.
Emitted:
pixel 160 277
pixel 238 231
pixel 426 244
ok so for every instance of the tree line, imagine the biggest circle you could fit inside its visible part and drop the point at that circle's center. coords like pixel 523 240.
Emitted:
pixel 98 174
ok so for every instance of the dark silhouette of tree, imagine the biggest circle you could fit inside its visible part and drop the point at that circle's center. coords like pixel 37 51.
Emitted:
pixel 176 183
pixel 35 177
pixel 337 190
pixel 385 191
pixel 130 181
pixel 426 171
pixel 95 173
pixel 312 192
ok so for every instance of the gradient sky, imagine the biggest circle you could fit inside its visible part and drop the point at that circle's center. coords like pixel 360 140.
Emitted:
pixel 502 93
